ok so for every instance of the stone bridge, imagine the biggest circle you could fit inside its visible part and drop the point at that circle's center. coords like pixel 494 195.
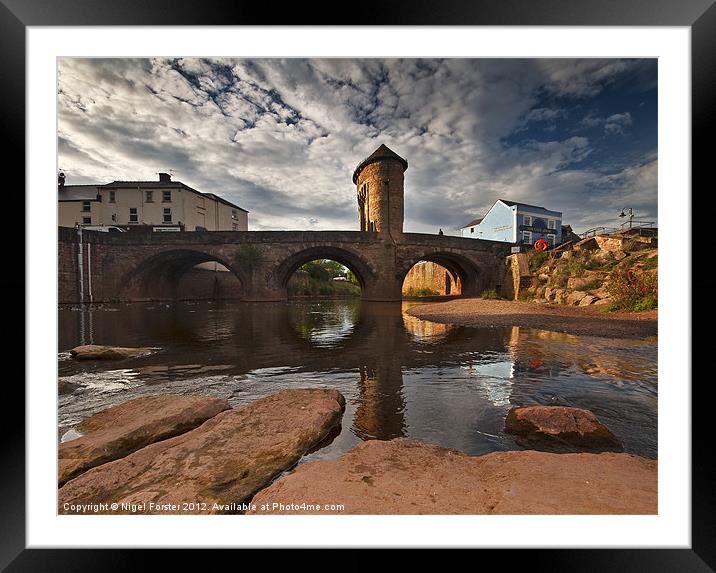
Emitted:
pixel 149 266
pixel 129 267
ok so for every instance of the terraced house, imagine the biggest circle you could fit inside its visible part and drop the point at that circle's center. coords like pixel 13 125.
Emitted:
pixel 514 222
pixel 162 204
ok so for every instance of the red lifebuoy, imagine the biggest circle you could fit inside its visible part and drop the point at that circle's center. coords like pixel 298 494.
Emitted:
pixel 541 245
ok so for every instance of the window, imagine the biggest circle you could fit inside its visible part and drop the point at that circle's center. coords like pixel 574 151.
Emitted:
pixel 86 207
pixel 551 224
pixel 86 220
pixel 112 196
pixel 527 237
pixel 149 196
pixel 472 229
pixel 527 220
pixel 167 215
pixel 166 196
pixel 234 227
pixel 133 215
pixel 233 213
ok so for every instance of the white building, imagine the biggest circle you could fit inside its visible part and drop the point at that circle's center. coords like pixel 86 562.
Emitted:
pixel 161 204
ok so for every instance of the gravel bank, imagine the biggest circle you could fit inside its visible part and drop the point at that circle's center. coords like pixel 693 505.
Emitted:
pixel 585 320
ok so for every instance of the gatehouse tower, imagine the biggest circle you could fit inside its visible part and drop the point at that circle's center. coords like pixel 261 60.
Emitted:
pixel 379 183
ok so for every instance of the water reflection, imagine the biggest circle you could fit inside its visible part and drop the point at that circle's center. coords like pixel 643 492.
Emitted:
pixel 401 376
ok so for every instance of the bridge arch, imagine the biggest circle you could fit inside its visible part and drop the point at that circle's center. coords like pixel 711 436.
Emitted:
pixel 158 276
pixel 472 276
pixel 351 259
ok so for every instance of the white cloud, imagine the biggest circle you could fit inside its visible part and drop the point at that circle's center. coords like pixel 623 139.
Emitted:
pixel 281 137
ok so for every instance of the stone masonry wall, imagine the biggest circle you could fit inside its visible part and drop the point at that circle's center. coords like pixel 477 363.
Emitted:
pixel 427 275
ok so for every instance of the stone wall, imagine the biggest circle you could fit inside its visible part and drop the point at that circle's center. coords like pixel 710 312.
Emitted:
pixel 517 276
pixel 147 266
pixel 430 276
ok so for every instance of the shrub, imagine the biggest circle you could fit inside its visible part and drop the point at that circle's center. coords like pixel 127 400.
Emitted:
pixel 575 268
pixel 632 289
pixel 417 292
pixel 652 262
pixel 593 285
pixel 536 259
pixel 490 294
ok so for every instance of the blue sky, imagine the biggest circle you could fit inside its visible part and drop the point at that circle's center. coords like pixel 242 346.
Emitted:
pixel 281 137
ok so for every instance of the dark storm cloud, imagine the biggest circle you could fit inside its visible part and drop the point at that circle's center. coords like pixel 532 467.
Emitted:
pixel 281 137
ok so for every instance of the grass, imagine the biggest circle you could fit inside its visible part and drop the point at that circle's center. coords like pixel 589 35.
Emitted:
pixel 490 294
pixel 651 263
pixel 593 285
pixel 536 259
pixel 633 289
pixel 419 292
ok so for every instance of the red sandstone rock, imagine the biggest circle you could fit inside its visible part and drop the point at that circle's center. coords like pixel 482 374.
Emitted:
pixel 120 430
pixel 573 426
pixel 225 460
pixel 97 352
pixel 405 477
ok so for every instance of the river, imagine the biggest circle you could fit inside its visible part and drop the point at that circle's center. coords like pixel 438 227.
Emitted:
pixel 401 376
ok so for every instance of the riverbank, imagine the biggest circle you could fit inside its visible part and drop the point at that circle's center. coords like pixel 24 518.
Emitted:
pixel 583 320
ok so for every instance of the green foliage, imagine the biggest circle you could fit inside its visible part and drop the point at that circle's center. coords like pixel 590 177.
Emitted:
pixel 651 262
pixel 575 268
pixel 633 289
pixel 525 295
pixel 559 278
pixel 490 294
pixel 320 281
pixel 536 259
pixel 316 270
pixel 418 292
pixel 593 285
pixel 249 257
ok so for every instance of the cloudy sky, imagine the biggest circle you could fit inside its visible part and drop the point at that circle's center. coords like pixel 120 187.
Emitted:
pixel 281 137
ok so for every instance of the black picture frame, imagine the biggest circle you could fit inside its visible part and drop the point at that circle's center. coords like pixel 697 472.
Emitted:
pixel 699 15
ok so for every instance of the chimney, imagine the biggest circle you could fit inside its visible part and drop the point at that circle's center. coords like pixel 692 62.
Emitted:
pixel 61 180
pixel 165 178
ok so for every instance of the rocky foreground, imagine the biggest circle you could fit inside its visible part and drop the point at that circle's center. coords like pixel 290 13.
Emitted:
pixel 406 477
pixel 120 430
pixel 224 461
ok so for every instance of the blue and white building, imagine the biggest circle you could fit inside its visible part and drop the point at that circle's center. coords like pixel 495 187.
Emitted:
pixel 514 222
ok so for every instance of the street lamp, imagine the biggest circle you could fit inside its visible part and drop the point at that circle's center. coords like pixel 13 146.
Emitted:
pixel 631 214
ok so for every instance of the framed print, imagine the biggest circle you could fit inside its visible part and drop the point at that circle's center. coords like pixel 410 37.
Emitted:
pixel 391 284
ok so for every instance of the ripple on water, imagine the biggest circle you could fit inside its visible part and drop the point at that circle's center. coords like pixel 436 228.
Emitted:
pixel 401 376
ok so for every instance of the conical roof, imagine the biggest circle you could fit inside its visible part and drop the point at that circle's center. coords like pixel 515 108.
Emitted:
pixel 383 152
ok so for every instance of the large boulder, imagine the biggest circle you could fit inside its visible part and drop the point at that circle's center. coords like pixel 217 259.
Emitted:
pixel 216 466
pixel 120 430
pixel 563 425
pixel 405 477
pixel 575 297
pixel 97 352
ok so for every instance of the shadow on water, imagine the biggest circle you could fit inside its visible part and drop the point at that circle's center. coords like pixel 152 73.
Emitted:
pixel 401 376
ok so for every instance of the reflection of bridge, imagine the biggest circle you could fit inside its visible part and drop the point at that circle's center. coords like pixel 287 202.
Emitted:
pixel 133 266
